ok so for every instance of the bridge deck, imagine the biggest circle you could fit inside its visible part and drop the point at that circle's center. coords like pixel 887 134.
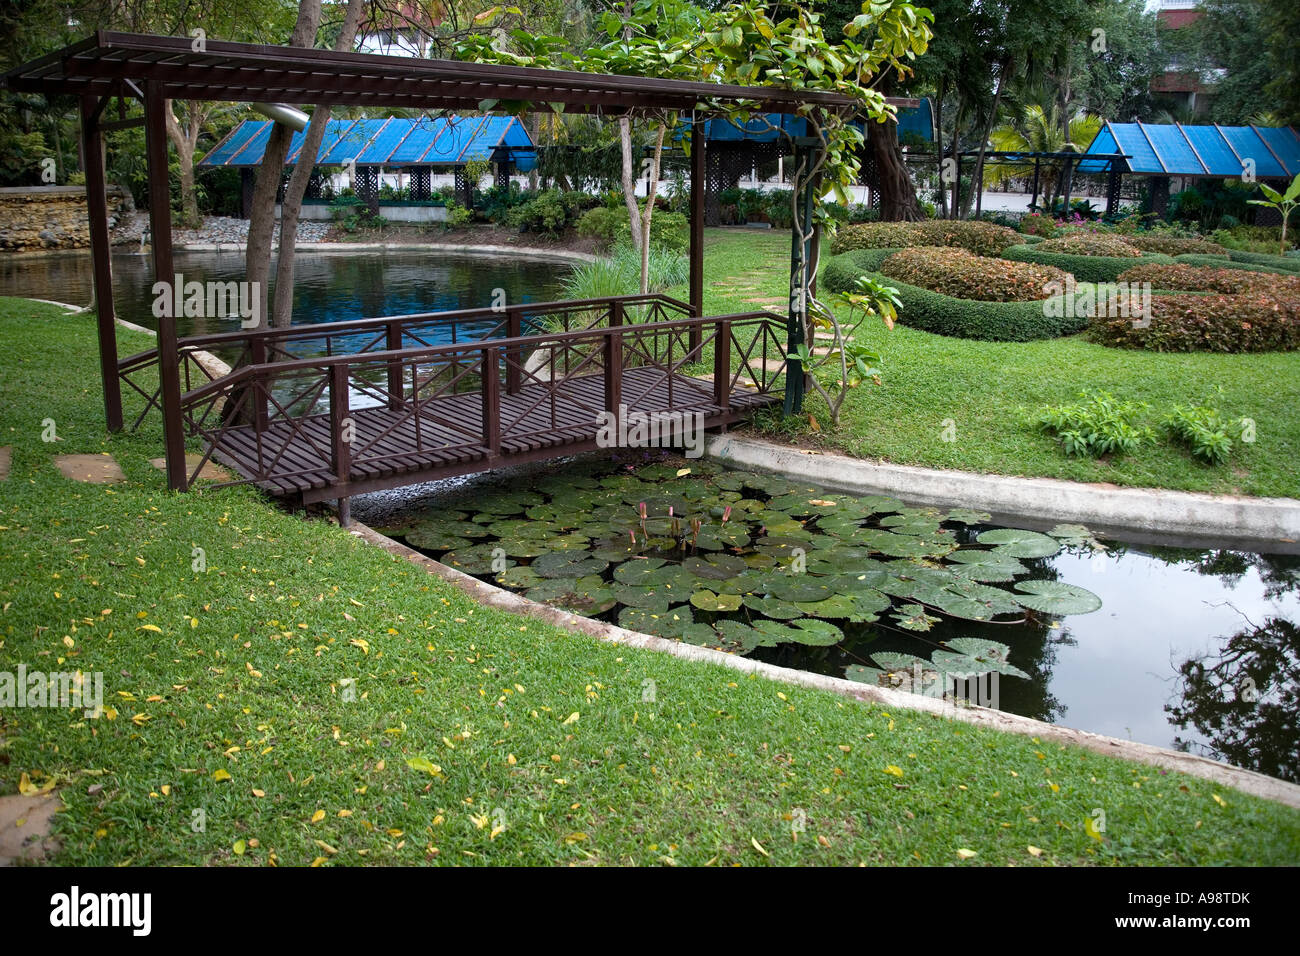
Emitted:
pixel 306 472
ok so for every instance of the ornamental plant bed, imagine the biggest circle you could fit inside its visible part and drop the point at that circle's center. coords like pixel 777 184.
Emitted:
pixel 1189 278
pixel 1091 245
pixel 981 238
pixel 1085 268
pixel 947 315
pixel 1174 245
pixel 962 275
pixel 1198 322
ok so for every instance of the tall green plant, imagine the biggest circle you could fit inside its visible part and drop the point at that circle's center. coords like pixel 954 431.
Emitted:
pixel 1285 203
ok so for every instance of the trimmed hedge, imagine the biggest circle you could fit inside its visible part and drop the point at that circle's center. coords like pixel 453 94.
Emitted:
pixel 981 238
pixel 1194 322
pixel 945 315
pixel 1091 244
pixel 1190 278
pixel 1280 263
pixel 1222 262
pixel 963 275
pixel 1084 268
pixel 1173 245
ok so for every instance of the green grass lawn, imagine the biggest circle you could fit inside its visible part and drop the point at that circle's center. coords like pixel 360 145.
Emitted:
pixel 230 693
pixel 983 394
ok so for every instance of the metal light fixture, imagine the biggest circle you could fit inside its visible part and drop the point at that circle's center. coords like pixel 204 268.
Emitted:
pixel 286 115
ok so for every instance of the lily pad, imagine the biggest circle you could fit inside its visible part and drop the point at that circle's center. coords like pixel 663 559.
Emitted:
pixel 1020 543
pixel 772 607
pixel 670 623
pixel 708 601
pixel 912 617
pixel 1056 597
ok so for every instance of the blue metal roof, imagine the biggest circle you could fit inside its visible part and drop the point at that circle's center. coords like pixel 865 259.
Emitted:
pixel 444 141
pixel 765 128
pixel 1178 150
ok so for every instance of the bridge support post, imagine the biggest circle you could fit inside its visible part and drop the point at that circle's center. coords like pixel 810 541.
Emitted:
pixel 514 357
pixel 722 366
pixel 613 371
pixel 396 387
pixel 491 383
pixel 342 428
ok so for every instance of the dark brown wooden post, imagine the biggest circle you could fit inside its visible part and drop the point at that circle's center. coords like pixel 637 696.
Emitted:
pixel 342 433
pixel 613 370
pixel 341 425
pixel 257 387
pixel 491 382
pixel 514 357
pixel 699 185
pixel 92 151
pixel 722 366
pixel 160 234
pixel 615 312
pixel 396 387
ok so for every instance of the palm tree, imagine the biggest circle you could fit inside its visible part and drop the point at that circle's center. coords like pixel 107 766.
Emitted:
pixel 1037 130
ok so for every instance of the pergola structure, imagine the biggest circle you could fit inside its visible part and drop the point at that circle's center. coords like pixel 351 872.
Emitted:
pixel 318 465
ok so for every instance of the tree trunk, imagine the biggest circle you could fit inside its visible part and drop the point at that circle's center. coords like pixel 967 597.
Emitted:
pixel 629 181
pixel 261 223
pixel 650 208
pixel 291 209
pixel 897 192
pixel 977 176
pixel 185 141
pixel 938 148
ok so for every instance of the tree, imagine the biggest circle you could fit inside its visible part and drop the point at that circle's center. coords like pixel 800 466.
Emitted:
pixel 1039 131
pixel 291 207
pixel 1230 36
pixel 1281 20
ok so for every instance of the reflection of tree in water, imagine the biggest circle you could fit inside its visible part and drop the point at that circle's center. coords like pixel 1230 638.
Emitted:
pixel 1246 700
pixel 1279 573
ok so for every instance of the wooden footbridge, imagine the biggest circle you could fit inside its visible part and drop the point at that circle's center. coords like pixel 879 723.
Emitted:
pixel 328 411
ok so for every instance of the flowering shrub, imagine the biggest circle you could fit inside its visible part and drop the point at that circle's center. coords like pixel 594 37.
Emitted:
pixel 1090 245
pixel 1174 245
pixel 1207 323
pixel 1190 278
pixel 960 274
pixel 981 238
pixel 1036 224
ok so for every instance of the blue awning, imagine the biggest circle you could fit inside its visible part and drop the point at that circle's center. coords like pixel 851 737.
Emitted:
pixel 1220 151
pixel 395 141
pixel 915 121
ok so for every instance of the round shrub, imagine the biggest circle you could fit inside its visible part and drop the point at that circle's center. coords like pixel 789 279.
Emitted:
pixel 945 315
pixel 1174 245
pixel 981 238
pixel 1085 268
pixel 962 275
pixel 1189 278
pixel 1195 322
pixel 1091 245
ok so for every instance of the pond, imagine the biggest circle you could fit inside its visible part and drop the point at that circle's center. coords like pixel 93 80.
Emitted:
pixel 1195 649
pixel 328 286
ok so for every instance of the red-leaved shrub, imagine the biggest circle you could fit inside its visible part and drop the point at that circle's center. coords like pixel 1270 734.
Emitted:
pixel 960 274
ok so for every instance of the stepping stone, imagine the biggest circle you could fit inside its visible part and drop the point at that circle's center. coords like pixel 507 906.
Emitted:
pixel 6 459
pixel 25 828
pixel 95 469
pixel 209 471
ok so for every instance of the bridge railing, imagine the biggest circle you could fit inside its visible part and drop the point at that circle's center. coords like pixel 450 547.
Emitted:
pixel 289 419
pixel 393 333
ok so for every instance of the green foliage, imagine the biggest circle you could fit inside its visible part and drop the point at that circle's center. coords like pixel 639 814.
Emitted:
pixel 1183 277
pixel 610 225
pixel 945 315
pixel 1275 265
pixel 20 157
pixel 1262 239
pixel 1174 245
pixel 981 238
pixel 1099 424
pixel 1202 431
pixel 352 215
pixel 1085 268
pixel 620 273
pixel 1207 322
pixel 550 211
pixel 1090 245
pixel 1038 224
pixel 963 275
pixel 1284 203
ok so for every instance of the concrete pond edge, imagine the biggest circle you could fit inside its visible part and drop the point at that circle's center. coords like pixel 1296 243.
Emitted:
pixel 1150 510
pixel 489 595
pixel 566 254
